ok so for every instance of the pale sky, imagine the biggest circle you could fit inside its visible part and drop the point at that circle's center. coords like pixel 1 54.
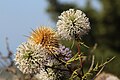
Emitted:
pixel 17 17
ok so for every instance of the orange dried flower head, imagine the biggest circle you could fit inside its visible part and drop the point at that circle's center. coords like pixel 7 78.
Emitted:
pixel 46 37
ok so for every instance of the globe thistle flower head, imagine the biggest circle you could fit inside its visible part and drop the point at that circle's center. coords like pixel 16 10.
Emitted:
pixel 72 24
pixel 65 53
pixel 46 37
pixel 30 58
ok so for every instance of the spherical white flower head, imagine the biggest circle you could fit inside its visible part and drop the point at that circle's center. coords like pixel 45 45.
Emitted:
pixel 30 58
pixel 72 24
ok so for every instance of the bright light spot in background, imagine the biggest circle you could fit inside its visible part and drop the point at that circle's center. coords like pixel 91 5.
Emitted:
pixel 81 3
pixel 96 4
pixel 78 2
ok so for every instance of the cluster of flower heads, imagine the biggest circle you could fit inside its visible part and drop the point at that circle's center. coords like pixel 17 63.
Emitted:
pixel 72 24
pixel 33 55
pixel 43 44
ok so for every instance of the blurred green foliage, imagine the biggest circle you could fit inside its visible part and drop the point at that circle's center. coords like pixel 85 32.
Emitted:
pixel 105 28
